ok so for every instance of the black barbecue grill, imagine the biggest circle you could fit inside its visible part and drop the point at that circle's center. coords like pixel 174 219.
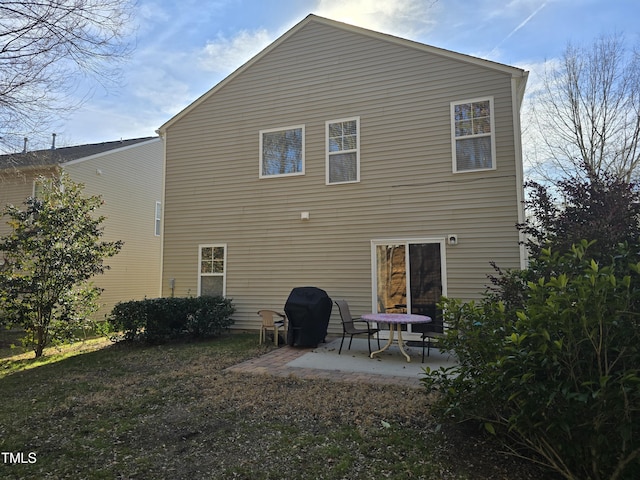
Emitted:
pixel 308 310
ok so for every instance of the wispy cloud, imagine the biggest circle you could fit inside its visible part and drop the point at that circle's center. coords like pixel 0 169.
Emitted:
pixel 185 48
pixel 225 54
pixel 521 25
pixel 408 18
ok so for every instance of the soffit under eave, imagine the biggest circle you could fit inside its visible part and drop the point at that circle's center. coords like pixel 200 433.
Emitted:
pixel 24 169
pixel 521 86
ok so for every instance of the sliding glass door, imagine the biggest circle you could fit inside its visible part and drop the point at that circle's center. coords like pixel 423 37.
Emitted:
pixel 408 276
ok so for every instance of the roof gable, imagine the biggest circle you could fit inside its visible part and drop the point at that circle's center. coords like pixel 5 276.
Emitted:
pixel 519 74
pixel 65 155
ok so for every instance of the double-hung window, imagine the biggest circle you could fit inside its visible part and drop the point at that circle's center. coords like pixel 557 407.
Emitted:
pixel 42 183
pixel 37 189
pixel 158 219
pixel 472 135
pixel 282 151
pixel 212 261
pixel 343 151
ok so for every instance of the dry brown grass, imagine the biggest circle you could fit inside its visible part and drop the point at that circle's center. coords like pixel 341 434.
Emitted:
pixel 174 412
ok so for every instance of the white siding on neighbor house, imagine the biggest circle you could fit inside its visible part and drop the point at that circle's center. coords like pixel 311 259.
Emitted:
pixel 15 187
pixel 130 183
pixel 407 189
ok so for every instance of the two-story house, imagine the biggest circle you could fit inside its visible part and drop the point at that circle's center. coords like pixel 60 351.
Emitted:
pixel 127 174
pixel 384 171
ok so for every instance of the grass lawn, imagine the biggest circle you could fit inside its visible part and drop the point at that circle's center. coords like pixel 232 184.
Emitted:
pixel 10 344
pixel 101 411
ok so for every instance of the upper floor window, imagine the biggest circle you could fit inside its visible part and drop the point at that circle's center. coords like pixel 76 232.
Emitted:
pixel 282 151
pixel 473 141
pixel 343 150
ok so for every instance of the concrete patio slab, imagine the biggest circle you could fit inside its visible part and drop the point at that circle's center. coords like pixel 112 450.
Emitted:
pixel 391 362
pixel 353 365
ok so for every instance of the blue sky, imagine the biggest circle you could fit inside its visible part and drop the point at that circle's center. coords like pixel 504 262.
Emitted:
pixel 185 48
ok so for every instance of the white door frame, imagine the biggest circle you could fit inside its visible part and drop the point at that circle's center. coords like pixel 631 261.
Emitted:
pixel 405 241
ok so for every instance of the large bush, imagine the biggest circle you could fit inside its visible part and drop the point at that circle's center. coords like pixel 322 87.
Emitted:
pixel 600 207
pixel 53 252
pixel 162 319
pixel 559 379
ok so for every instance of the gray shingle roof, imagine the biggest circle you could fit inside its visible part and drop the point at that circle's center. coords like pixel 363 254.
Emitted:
pixel 57 156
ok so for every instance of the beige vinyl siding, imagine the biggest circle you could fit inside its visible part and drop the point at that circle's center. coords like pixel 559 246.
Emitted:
pixel 406 190
pixel 15 187
pixel 130 182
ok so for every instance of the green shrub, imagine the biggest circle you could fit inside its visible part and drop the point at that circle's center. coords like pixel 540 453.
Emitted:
pixel 162 319
pixel 558 380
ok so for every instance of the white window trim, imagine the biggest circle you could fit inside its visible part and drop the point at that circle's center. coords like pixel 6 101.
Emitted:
pixel 406 241
pixel 492 134
pixel 158 219
pixel 45 178
pixel 281 129
pixel 357 149
pixel 224 271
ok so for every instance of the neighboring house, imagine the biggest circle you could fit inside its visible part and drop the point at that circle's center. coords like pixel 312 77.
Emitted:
pixel 384 171
pixel 128 176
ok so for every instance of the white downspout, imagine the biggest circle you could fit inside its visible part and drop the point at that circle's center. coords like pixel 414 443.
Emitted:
pixel 518 85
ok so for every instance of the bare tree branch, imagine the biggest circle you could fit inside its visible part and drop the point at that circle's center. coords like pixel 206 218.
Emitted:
pixel 47 46
pixel 588 112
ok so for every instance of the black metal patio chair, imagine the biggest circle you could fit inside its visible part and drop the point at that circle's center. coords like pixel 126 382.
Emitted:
pixel 349 327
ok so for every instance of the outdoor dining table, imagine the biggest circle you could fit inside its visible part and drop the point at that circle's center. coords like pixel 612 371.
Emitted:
pixel 395 320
